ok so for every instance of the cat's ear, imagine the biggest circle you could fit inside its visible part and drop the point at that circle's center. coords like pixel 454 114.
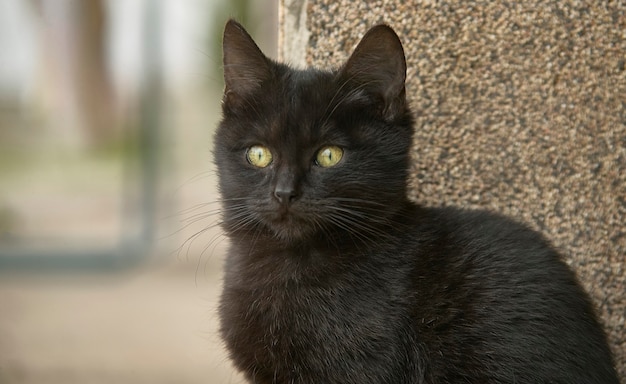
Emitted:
pixel 378 66
pixel 245 66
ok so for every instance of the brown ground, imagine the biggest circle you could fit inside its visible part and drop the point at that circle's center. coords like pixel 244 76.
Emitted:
pixel 155 323
pixel 152 325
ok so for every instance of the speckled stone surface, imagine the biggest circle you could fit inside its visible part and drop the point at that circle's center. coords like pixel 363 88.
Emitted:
pixel 520 108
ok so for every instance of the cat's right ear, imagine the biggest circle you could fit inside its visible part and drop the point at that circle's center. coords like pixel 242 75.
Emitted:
pixel 245 66
pixel 378 67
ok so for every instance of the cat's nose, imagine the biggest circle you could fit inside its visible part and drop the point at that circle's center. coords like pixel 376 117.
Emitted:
pixel 285 195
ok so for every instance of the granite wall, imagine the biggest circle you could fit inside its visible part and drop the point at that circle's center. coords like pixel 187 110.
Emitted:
pixel 520 108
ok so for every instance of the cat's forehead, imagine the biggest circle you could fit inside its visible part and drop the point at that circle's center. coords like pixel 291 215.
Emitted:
pixel 302 105
pixel 309 89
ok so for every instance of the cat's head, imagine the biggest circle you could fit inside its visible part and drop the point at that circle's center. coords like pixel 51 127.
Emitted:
pixel 309 153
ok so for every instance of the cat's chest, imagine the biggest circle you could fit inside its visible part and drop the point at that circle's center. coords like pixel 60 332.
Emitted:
pixel 307 308
pixel 310 315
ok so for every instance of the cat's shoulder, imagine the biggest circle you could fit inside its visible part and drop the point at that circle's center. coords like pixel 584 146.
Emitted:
pixel 488 249
pixel 492 236
pixel 479 223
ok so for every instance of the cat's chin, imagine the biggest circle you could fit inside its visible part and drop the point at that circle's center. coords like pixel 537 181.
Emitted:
pixel 291 231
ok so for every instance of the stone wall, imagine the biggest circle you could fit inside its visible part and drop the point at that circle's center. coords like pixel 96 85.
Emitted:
pixel 520 108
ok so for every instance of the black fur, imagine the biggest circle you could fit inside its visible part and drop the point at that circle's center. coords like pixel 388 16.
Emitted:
pixel 349 282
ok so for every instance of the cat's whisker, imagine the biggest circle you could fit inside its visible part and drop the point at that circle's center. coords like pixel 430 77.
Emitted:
pixel 203 214
pixel 255 238
pixel 377 214
pixel 185 211
pixel 345 225
pixel 188 222
pixel 332 100
pixel 191 239
pixel 381 217
pixel 357 200
pixel 377 225
pixel 325 228
pixel 352 216
pixel 198 176
pixel 215 241
pixel 179 230
pixel 213 212
pixel 379 211
pixel 191 220
pixel 220 235
pixel 345 98
pixel 189 210
pixel 365 232
pixel 189 242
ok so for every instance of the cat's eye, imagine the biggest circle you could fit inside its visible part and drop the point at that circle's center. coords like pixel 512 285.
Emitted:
pixel 329 156
pixel 259 156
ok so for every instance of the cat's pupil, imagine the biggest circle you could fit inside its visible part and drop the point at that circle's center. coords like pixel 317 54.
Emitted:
pixel 329 156
pixel 259 156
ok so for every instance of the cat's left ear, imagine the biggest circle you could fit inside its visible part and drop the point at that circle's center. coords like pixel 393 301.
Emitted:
pixel 378 66
pixel 245 66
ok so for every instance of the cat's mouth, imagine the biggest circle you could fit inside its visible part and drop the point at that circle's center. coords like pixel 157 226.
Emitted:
pixel 289 224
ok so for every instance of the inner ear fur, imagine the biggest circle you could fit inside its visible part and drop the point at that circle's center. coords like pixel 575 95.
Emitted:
pixel 245 66
pixel 378 66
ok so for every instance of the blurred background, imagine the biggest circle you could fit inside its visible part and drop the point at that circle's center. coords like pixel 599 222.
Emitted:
pixel 109 256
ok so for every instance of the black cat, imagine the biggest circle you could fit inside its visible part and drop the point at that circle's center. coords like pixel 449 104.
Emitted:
pixel 334 276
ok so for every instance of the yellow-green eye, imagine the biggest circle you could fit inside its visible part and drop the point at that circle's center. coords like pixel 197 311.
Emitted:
pixel 329 156
pixel 259 156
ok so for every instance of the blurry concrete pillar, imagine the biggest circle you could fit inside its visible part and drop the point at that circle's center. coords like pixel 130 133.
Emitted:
pixel 294 36
pixel 520 107
pixel 94 89
pixel 76 83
